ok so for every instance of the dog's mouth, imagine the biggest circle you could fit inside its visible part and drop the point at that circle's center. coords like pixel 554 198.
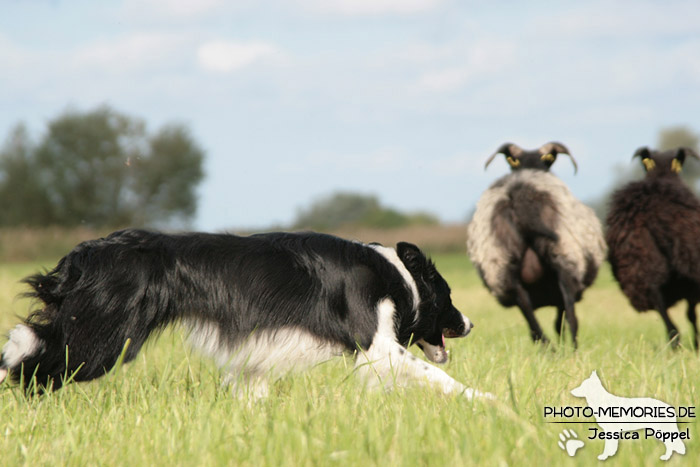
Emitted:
pixel 434 353
pixel 451 333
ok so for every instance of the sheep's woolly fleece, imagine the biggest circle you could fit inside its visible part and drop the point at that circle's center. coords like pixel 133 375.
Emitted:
pixel 579 230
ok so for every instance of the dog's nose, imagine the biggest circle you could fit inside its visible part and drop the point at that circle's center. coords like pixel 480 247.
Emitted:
pixel 467 330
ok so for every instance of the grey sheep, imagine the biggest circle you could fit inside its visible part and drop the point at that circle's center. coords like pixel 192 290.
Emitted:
pixel 653 234
pixel 533 243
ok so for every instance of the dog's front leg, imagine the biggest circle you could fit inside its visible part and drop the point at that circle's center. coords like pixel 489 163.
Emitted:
pixel 389 364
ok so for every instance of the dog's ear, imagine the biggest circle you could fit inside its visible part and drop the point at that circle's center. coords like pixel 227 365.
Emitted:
pixel 411 256
pixel 416 262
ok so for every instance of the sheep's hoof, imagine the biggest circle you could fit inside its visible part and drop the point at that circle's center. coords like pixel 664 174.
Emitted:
pixel 544 343
pixel 674 338
pixel 539 337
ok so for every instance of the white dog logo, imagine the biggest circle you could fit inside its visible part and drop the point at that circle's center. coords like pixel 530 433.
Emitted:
pixel 618 415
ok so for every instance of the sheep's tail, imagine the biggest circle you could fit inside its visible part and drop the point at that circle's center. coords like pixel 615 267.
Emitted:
pixel 534 211
pixel 533 228
pixel 536 235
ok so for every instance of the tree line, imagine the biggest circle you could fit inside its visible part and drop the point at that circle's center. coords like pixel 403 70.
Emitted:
pixel 99 168
pixel 103 169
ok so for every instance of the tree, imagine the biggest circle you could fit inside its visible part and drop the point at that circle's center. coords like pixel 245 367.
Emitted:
pixel 101 168
pixel 25 200
pixel 343 209
pixel 169 176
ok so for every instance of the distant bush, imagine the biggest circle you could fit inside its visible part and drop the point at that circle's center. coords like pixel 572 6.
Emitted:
pixel 432 239
pixel 357 210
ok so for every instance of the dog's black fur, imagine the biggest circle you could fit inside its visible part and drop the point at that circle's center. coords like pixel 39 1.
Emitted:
pixel 134 283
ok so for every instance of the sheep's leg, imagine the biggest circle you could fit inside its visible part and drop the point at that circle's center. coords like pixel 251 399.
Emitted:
pixel 692 317
pixel 523 301
pixel 671 329
pixel 559 320
pixel 568 299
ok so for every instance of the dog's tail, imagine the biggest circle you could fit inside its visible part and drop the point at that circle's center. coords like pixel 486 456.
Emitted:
pixel 93 302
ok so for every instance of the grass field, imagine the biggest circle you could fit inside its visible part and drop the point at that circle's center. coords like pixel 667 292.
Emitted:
pixel 168 408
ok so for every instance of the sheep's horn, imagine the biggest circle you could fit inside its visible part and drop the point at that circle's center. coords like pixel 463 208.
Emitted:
pixel 643 152
pixel 560 149
pixel 688 152
pixel 509 149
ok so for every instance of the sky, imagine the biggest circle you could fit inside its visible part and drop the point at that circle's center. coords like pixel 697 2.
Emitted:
pixel 404 99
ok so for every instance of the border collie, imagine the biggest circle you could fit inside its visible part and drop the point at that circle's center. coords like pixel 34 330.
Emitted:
pixel 260 305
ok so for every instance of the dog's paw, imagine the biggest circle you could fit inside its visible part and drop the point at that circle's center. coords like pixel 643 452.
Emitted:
pixel 569 442
pixel 470 394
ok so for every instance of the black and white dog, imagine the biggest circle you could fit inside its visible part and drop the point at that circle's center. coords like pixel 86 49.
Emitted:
pixel 260 305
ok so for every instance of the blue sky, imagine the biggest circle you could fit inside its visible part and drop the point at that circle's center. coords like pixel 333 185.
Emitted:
pixel 404 99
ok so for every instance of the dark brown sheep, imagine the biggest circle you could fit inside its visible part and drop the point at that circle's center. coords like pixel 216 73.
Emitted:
pixel 653 236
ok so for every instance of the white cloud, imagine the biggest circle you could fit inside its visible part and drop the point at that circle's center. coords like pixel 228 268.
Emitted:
pixel 444 80
pixel 171 8
pixel 11 54
pixel 371 7
pixel 227 56
pixel 458 164
pixel 455 66
pixel 131 52
pixel 621 18
pixel 385 159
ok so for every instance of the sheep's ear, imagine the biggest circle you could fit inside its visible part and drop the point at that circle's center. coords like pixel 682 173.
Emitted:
pixel 550 151
pixel 679 158
pixel 512 153
pixel 645 154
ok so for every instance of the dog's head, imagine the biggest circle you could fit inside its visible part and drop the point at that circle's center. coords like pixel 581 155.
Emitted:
pixel 437 317
pixel 589 386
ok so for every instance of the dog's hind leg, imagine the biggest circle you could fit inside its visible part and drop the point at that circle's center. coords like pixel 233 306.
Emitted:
pixel 263 356
pixel 248 386
pixel 23 344
pixel 34 357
